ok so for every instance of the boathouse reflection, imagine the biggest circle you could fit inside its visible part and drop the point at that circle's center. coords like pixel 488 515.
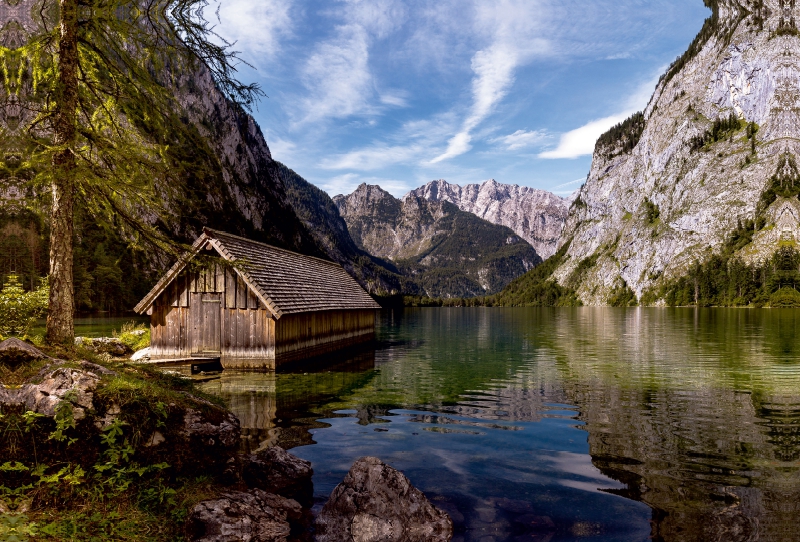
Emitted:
pixel 279 408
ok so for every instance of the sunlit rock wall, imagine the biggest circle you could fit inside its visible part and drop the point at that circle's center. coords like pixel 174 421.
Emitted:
pixel 747 66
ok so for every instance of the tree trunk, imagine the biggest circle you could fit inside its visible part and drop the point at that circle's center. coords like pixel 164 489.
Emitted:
pixel 60 322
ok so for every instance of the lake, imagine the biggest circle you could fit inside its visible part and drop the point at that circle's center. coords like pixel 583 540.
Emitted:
pixel 559 424
pixel 96 326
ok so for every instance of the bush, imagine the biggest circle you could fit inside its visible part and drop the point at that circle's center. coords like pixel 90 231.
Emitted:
pixel 20 309
pixel 136 336
pixel 786 297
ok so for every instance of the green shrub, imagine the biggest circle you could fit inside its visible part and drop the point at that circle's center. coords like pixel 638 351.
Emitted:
pixel 136 336
pixel 20 309
pixel 786 297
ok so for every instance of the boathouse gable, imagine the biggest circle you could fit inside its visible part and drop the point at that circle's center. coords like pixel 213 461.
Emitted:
pixel 258 307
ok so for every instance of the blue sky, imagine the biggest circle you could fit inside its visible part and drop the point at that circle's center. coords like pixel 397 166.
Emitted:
pixel 401 92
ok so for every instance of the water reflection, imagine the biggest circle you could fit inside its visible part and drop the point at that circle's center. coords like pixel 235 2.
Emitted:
pixel 281 409
pixel 533 423
pixel 697 412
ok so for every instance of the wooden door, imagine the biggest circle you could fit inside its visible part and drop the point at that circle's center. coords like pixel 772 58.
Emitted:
pixel 206 311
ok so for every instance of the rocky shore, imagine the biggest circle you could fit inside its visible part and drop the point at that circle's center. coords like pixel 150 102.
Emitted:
pixel 89 440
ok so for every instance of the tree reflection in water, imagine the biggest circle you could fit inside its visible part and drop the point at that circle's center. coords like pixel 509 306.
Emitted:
pixel 695 412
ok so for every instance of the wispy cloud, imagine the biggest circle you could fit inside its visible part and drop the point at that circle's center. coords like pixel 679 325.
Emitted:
pixel 512 30
pixel 581 141
pixel 373 158
pixel 522 139
pixel 258 28
pixel 337 76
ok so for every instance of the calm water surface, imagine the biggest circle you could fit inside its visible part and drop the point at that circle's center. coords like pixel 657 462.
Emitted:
pixel 560 424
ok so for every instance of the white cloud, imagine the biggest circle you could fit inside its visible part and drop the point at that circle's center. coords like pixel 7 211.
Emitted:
pixel 379 17
pixel 372 158
pixel 281 149
pixel 521 139
pixel 338 76
pixel 512 26
pixel 581 141
pixel 257 27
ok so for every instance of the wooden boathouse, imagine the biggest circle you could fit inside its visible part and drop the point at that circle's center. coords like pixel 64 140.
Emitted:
pixel 258 307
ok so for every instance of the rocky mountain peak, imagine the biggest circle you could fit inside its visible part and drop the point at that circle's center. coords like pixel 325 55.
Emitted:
pixel 535 215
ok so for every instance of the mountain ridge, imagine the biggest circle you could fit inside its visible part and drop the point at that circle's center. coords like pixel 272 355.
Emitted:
pixel 446 251
pixel 535 215
pixel 647 214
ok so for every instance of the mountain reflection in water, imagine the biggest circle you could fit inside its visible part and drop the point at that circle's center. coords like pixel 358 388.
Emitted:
pixel 550 424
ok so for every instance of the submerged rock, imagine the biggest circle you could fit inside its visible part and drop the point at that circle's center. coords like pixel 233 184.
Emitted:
pixel 378 503
pixel 278 471
pixel 243 516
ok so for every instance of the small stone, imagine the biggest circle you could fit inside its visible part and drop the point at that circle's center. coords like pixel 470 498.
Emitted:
pixel 15 352
pixel 141 355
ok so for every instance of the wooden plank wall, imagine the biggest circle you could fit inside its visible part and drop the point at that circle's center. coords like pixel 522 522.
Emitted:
pixel 247 327
pixel 315 333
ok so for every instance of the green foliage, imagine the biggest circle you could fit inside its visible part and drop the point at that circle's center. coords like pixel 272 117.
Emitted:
pixel 622 296
pixel 537 288
pixel 785 183
pixel 652 213
pixel 136 336
pixel 19 309
pixel 622 138
pixel 99 488
pixel 724 280
pixel 722 128
pixel 786 297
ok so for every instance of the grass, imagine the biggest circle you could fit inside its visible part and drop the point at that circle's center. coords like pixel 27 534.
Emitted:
pixel 136 336
pixel 61 479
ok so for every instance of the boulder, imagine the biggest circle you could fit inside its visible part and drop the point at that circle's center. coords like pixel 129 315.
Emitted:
pixel 15 352
pixel 378 503
pixel 243 516
pixel 104 345
pixel 141 355
pixel 276 470
pixel 63 384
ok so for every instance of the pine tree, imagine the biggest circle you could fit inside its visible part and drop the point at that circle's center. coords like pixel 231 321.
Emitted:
pixel 100 77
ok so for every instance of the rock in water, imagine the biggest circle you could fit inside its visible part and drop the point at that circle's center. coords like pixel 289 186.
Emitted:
pixel 278 471
pixel 376 503
pixel 243 516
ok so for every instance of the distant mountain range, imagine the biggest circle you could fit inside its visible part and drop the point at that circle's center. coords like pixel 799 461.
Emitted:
pixel 535 215
pixel 445 251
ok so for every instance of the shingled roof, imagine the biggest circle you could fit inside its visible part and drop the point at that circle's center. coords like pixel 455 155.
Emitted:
pixel 287 282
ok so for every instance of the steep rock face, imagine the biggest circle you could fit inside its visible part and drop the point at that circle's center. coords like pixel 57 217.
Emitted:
pixel 446 251
pixel 645 215
pixel 535 215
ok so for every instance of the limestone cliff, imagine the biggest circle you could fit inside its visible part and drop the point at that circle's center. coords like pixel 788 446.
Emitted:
pixel 446 251
pixel 535 215
pixel 667 188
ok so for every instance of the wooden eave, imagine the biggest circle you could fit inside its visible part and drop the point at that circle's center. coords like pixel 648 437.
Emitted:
pixel 173 272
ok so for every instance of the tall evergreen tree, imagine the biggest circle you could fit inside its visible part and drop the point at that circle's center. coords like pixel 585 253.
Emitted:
pixel 100 78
